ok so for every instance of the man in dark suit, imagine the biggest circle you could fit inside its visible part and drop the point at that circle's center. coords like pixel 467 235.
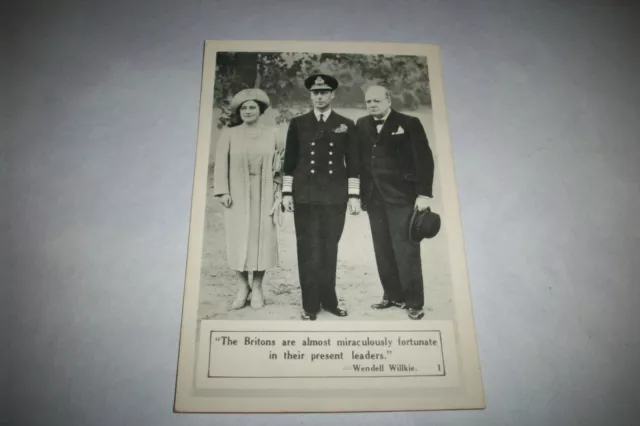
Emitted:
pixel 397 169
pixel 321 178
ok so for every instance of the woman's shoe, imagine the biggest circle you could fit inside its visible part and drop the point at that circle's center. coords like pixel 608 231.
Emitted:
pixel 257 298
pixel 241 300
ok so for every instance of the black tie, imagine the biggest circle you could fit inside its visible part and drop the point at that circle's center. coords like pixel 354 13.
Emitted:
pixel 379 122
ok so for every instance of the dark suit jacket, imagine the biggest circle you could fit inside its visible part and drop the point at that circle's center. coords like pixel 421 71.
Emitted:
pixel 321 159
pixel 400 165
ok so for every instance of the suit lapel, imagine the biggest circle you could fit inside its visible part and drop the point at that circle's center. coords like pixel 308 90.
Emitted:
pixel 371 128
pixel 310 120
pixel 332 122
pixel 390 126
pixel 330 125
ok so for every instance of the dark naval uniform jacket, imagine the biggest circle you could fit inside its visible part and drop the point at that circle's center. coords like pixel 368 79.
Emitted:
pixel 398 160
pixel 321 160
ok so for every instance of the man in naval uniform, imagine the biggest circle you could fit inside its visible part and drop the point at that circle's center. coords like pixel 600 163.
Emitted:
pixel 321 180
pixel 397 177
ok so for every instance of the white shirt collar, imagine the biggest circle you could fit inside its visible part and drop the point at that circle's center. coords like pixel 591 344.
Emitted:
pixel 385 116
pixel 325 114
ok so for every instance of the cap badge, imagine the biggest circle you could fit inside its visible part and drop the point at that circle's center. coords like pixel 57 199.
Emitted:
pixel 319 80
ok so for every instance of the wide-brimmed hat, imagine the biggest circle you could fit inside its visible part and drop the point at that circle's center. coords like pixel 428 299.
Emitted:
pixel 249 95
pixel 424 224
pixel 320 82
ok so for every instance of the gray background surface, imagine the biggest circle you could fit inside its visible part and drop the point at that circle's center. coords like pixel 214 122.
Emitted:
pixel 543 106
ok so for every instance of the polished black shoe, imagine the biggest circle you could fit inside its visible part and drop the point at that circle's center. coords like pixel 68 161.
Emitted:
pixel 385 304
pixel 337 312
pixel 416 314
pixel 308 316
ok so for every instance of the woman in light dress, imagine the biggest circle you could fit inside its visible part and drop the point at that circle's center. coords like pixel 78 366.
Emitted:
pixel 248 184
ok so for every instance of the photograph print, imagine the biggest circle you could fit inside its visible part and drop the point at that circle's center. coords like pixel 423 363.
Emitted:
pixel 326 259
pixel 319 163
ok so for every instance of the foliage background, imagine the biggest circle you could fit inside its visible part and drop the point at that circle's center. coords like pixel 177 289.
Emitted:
pixel 281 75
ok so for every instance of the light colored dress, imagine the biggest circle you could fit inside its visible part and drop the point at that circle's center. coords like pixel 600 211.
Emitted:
pixel 247 166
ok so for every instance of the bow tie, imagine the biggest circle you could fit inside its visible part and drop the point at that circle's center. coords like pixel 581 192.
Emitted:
pixel 375 120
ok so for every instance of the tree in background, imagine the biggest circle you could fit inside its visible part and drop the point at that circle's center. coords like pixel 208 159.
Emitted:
pixel 281 76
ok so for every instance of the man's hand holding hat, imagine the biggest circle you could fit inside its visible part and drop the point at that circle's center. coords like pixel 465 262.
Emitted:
pixel 422 203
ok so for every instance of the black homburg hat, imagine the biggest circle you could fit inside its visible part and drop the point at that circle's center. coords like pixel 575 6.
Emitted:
pixel 425 224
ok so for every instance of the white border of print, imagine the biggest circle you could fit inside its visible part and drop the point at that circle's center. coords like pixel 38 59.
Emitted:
pixel 341 394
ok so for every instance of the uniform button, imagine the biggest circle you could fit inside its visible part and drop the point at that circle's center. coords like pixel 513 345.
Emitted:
pixel 312 152
pixel 330 171
pixel 331 144
pixel 330 153
pixel 313 162
pixel 330 162
pixel 313 171
pixel 313 143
